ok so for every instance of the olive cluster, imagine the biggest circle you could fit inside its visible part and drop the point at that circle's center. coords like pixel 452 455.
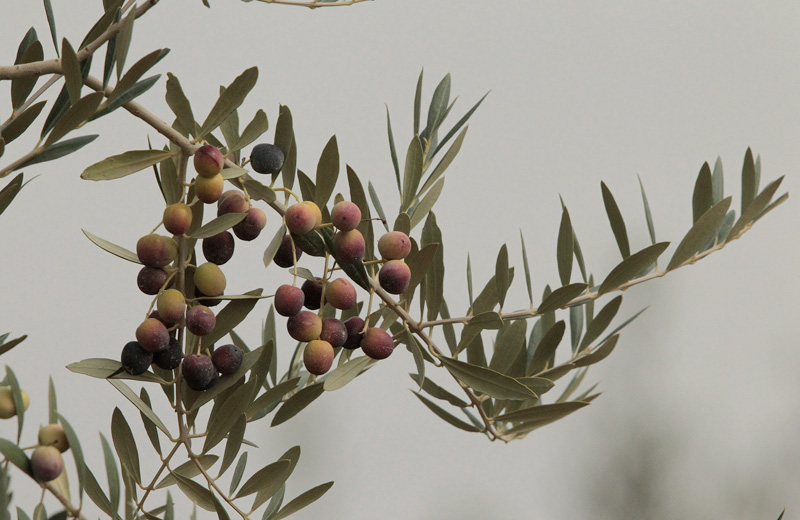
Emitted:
pixel 46 460
pixel 324 335
pixel 156 339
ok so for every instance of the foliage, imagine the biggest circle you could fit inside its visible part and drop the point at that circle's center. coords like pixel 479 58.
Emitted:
pixel 503 387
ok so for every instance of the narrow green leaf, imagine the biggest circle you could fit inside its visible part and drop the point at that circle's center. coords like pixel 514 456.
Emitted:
pixel 458 125
pixel 703 196
pixel 438 392
pixel 268 479
pixel 136 71
pixel 469 282
pixel 21 122
pixel 136 90
pixel 561 297
pixel 632 266
pixel 449 418
pixel 124 42
pixel 58 150
pixel 421 210
pixel 51 22
pixel 102 24
pixel 270 399
pixel 10 191
pixel 412 174
pixel 188 470
pixel 143 407
pixel 542 412
pixel 96 493
pixel 234 444
pixel 527 268
pixel 486 320
pixel 16 394
pixel 224 416
pixel 439 103
pixel 599 354
pixel 501 274
pixel 231 316
pixel 238 471
pixel 75 116
pixel 218 225
pixel 647 215
pixel 508 345
pixel 418 102
pixel 15 455
pixel 149 426
pixel 258 191
pixel 546 348
pixel 343 374
pixel 111 49
pixel 419 263
pixel 445 162
pixel 77 452
pixel 303 500
pixel 487 381
pixel 284 139
pixel 250 359
pixel 196 493
pixel 565 247
pixel 755 210
pixel 22 87
pixel 124 164
pixel 112 248
pixel 103 368
pixel 749 186
pixel 274 245
pixel 601 322
pixel 112 475
pixel 254 129
pixel 393 151
pixel 297 403
pixel 71 67
pixel 616 221
pixel 230 100
pixel 327 173
pixel 125 444
pixel 179 104
pixel 377 203
pixel 703 230
pixel 52 404
pixel 717 182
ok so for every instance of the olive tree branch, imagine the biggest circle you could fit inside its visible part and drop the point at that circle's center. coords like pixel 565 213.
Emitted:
pixel 53 66
pixel 584 298
pixel 73 511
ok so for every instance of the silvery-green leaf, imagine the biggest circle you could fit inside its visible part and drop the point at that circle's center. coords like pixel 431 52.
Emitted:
pixel 269 478
pixel 749 186
pixel 78 113
pixel 136 71
pixel 77 452
pixel 703 195
pixel 284 139
pixel 501 274
pixel 230 100
pixel 124 164
pixel 15 455
pixel 487 381
pixel 71 68
pixel 143 407
pixel 755 209
pixel 373 195
pixel 560 297
pixel 58 150
pixel 196 493
pixel 303 500
pixel 179 104
pixel 267 402
pixel 616 221
pixel 648 216
pixel 21 122
pixel 10 191
pixel 345 373
pixel 274 245
pixel 565 247
pixel 125 444
pixel 235 437
pixel 546 348
pixel 112 248
pixel 393 151
pixel 252 131
pixel 136 90
pixel 421 210
pixel 22 87
pixel 112 475
pixel 51 22
pixel 632 266
pixel 449 418
pixel 418 102
pixel 218 225
pixel 412 174
pixel 149 426
pixel 445 162
pixel 704 229
pixel 188 470
pixel 599 354
pixel 458 125
pixel 102 368
pixel 327 173
pixel 297 403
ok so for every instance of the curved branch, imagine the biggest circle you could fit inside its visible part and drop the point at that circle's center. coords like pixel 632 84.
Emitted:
pixel 39 68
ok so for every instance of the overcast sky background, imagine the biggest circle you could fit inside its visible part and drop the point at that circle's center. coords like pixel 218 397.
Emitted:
pixel 699 413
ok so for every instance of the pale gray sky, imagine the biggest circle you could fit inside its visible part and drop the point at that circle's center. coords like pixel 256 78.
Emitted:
pixel 581 92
